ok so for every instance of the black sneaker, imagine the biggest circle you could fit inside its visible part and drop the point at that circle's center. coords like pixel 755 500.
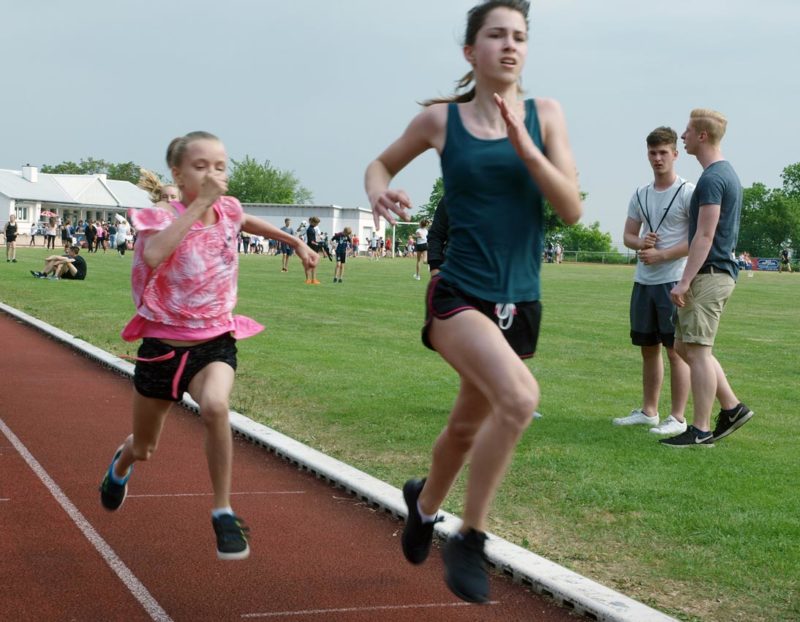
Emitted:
pixel 112 495
pixel 465 566
pixel 692 437
pixel 231 537
pixel 417 536
pixel 38 275
pixel 731 421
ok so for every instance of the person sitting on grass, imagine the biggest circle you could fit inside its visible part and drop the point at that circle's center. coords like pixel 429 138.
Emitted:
pixel 70 266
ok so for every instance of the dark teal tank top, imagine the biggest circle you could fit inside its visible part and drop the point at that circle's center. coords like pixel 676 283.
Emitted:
pixel 496 212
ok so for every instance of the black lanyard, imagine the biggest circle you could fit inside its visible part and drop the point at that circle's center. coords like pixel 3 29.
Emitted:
pixel 643 208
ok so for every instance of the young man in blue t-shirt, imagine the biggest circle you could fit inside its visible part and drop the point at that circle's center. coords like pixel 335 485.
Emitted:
pixel 708 281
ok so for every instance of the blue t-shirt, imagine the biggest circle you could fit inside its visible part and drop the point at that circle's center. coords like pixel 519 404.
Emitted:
pixel 719 185
pixel 496 212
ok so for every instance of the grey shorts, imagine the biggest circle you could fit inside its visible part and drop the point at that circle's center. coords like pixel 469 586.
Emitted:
pixel 652 314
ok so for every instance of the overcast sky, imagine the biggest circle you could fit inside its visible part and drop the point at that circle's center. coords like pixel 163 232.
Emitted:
pixel 321 87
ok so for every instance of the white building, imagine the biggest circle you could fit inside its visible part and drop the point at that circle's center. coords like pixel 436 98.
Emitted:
pixel 29 192
pixel 332 218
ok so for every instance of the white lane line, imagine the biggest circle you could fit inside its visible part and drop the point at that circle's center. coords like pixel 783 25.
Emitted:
pixel 311 612
pixel 5 499
pixel 211 494
pixel 135 587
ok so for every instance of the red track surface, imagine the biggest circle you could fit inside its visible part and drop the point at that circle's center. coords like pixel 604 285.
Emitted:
pixel 317 553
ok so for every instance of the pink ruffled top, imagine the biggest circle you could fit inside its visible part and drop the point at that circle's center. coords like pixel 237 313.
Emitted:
pixel 189 296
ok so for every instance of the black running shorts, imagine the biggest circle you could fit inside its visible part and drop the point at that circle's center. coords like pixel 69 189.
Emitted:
pixel 444 300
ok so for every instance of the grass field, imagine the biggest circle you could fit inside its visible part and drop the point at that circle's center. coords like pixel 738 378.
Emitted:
pixel 700 534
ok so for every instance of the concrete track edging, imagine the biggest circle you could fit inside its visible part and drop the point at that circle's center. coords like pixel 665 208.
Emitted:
pixel 566 587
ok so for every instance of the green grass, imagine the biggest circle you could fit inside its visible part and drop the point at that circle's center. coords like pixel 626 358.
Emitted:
pixel 703 535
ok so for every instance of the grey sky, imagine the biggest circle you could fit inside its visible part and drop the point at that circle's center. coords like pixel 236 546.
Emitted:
pixel 322 87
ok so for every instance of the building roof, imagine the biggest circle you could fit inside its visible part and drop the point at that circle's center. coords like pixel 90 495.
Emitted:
pixel 73 189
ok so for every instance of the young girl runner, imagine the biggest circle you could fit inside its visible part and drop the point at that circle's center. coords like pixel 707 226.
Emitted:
pixel 184 286
pixel 483 308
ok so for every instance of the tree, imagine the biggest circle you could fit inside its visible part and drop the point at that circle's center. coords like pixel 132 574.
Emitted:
pixel 769 217
pixel 126 171
pixel 791 180
pixel 251 182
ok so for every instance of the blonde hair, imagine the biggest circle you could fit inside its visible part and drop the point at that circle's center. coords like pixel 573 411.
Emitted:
pixel 150 182
pixel 711 122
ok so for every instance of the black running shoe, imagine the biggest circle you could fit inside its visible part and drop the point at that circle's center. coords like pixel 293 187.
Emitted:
pixel 417 536
pixel 692 437
pixel 112 495
pixel 465 566
pixel 731 421
pixel 38 275
pixel 232 537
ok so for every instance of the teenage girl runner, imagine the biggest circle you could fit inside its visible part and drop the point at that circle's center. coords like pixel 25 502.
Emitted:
pixel 184 286
pixel 483 308
pixel 421 244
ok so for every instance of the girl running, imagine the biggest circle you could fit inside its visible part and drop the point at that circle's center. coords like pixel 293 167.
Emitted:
pixel 483 308
pixel 12 231
pixel 184 286
pixel 160 194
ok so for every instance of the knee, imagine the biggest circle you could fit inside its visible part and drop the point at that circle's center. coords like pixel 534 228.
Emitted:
pixel 516 409
pixel 214 411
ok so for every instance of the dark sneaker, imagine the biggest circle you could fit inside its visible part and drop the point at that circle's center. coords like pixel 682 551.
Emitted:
pixel 692 437
pixel 112 495
pixel 417 536
pixel 231 537
pixel 465 566
pixel 38 275
pixel 730 421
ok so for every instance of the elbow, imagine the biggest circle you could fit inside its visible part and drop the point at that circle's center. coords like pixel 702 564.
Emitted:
pixel 151 259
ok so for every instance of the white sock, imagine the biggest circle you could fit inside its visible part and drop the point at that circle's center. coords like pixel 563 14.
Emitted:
pixel 217 512
pixel 426 518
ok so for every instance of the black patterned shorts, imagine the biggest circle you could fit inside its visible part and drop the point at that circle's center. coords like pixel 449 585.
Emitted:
pixel 164 372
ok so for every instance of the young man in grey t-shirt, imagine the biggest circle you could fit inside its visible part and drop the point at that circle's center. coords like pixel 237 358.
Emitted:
pixel 708 281
pixel 657 227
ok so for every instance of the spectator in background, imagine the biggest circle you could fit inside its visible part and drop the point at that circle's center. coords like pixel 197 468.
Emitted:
pixel 11 239
pixel 708 281
pixel 70 266
pixel 123 233
pixel 90 233
pixel 50 233
pixel 786 260
pixel 34 233
pixel 657 227
pixel 286 250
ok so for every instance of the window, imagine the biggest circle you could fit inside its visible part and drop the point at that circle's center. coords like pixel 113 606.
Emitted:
pixel 22 210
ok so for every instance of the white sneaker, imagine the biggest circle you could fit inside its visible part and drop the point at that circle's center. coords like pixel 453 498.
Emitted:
pixel 637 417
pixel 669 427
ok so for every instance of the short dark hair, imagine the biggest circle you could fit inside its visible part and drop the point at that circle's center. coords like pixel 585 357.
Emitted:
pixel 75 248
pixel 662 136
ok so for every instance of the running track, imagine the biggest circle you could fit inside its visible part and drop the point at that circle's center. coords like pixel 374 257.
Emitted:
pixel 318 554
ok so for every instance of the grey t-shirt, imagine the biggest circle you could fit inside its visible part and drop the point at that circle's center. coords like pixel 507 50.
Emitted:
pixel 649 206
pixel 719 185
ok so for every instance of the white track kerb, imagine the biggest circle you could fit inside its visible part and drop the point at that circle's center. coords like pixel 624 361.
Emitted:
pixel 572 590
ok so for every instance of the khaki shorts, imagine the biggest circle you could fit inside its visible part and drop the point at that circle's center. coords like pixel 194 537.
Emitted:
pixel 698 321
